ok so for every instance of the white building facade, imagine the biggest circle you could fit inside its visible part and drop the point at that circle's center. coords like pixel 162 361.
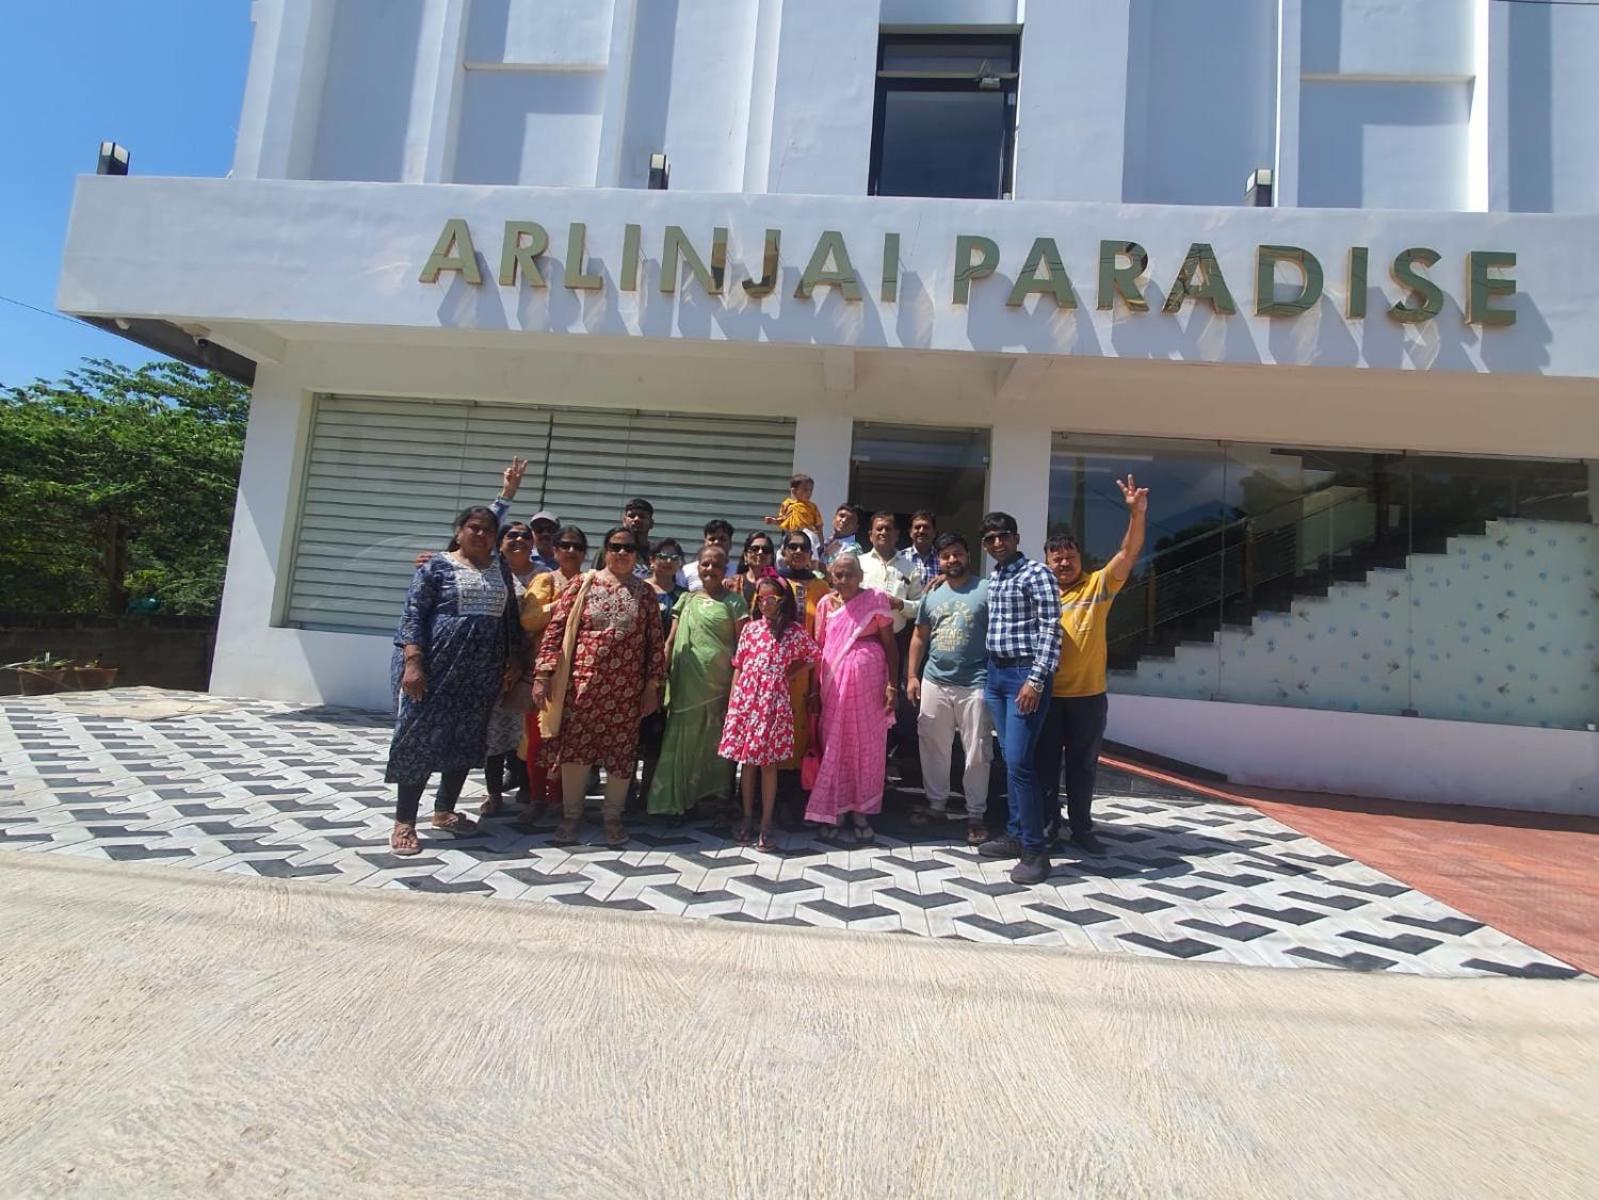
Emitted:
pixel 1322 273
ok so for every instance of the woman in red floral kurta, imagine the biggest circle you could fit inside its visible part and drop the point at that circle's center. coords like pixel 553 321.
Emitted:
pixel 617 665
pixel 759 730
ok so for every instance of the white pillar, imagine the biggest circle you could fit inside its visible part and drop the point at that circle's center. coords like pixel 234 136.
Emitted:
pixel 1073 92
pixel 1488 149
pixel 436 94
pixel 1285 176
pixel 1018 480
pixel 283 90
pixel 608 171
pixel 822 441
pixel 263 517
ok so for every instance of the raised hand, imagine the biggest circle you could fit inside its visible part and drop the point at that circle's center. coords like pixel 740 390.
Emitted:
pixel 513 476
pixel 1137 498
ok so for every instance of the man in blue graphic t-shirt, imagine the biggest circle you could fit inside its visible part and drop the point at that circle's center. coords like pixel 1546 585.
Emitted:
pixel 952 636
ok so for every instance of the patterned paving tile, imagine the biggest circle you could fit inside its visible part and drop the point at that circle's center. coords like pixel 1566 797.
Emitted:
pixel 270 789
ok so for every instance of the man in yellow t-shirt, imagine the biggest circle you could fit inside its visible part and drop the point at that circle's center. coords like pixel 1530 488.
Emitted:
pixel 1075 725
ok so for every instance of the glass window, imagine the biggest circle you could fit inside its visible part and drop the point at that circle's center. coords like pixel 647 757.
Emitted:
pixel 946 117
pixel 1454 588
pixel 929 54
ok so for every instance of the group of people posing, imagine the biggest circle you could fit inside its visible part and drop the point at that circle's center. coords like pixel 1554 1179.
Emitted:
pixel 795 662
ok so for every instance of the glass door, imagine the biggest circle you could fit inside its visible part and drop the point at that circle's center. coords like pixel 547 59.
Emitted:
pixel 903 469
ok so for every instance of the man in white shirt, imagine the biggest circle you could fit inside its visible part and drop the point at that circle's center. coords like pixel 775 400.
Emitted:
pixel 892 571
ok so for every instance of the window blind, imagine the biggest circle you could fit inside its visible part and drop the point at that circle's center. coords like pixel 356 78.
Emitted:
pixel 384 478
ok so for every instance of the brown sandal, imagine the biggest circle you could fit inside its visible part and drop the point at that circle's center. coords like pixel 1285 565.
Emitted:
pixel 454 822
pixel 565 833
pixel 491 806
pixel 976 834
pixel 615 833
pixel 403 841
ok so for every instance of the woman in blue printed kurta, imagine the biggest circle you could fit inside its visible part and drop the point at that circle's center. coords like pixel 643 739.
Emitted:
pixel 455 653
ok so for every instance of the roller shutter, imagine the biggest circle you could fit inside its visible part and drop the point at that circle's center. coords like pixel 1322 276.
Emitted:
pixel 384 478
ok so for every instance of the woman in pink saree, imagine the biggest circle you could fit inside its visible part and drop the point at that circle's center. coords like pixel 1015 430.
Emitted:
pixel 855 685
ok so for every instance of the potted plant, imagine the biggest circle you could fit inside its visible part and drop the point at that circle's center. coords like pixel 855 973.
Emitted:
pixel 93 677
pixel 42 674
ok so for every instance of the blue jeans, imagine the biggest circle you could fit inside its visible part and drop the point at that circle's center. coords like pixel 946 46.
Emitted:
pixel 1018 739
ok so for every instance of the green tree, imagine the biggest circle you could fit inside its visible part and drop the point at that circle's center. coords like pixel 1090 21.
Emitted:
pixel 116 485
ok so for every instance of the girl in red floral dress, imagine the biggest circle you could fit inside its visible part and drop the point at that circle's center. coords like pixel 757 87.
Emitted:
pixel 759 730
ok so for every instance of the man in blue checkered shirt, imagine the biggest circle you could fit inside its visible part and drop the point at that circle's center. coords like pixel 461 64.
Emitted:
pixel 1023 650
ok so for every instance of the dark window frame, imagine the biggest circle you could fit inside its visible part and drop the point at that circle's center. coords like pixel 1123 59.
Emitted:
pixel 943 81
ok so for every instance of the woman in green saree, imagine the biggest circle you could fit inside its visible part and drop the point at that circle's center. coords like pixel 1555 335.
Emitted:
pixel 699 675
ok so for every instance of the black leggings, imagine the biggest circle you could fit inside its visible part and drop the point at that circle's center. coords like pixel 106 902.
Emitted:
pixel 500 770
pixel 410 796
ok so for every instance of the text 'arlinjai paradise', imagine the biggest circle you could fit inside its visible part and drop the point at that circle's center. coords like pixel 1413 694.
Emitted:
pixel 1123 267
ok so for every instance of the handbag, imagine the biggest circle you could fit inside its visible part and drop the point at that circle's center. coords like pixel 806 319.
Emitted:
pixel 811 764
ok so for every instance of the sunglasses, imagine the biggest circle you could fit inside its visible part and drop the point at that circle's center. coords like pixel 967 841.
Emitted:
pixel 659 557
pixel 759 550
pixel 797 546
pixel 621 548
pixel 516 535
pixel 995 537
pixel 477 529
pixel 570 546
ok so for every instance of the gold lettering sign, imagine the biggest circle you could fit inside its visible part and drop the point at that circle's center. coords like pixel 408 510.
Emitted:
pixel 1267 302
pixel 816 274
pixel 1122 269
pixel 1057 283
pixel 1118 282
pixel 1482 287
pixel 676 242
pixel 453 252
pixel 516 254
pixel 767 283
pixel 968 269
pixel 1424 299
pixel 576 277
pixel 1201 260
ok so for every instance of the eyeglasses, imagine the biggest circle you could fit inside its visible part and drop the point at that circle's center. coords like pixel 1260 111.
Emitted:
pixel 570 546
pixel 516 535
pixel 621 548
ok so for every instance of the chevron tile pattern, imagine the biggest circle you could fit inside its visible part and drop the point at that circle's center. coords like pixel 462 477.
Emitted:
pixel 274 789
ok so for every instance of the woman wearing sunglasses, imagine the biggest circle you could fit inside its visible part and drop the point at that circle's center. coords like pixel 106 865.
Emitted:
pixel 760 560
pixel 570 546
pixel 599 670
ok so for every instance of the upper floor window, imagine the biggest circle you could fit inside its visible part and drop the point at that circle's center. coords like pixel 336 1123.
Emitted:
pixel 945 122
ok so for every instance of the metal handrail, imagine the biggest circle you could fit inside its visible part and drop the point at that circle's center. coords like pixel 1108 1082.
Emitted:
pixel 1248 548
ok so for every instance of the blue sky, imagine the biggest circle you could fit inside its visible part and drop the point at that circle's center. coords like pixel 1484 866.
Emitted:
pixel 163 77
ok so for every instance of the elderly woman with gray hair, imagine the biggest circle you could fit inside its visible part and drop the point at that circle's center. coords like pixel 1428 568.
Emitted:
pixel 855 688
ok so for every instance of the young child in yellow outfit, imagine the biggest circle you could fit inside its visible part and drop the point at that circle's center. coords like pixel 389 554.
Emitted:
pixel 797 513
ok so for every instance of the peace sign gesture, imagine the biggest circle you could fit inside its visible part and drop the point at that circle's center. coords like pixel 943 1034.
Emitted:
pixel 513 476
pixel 1137 498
